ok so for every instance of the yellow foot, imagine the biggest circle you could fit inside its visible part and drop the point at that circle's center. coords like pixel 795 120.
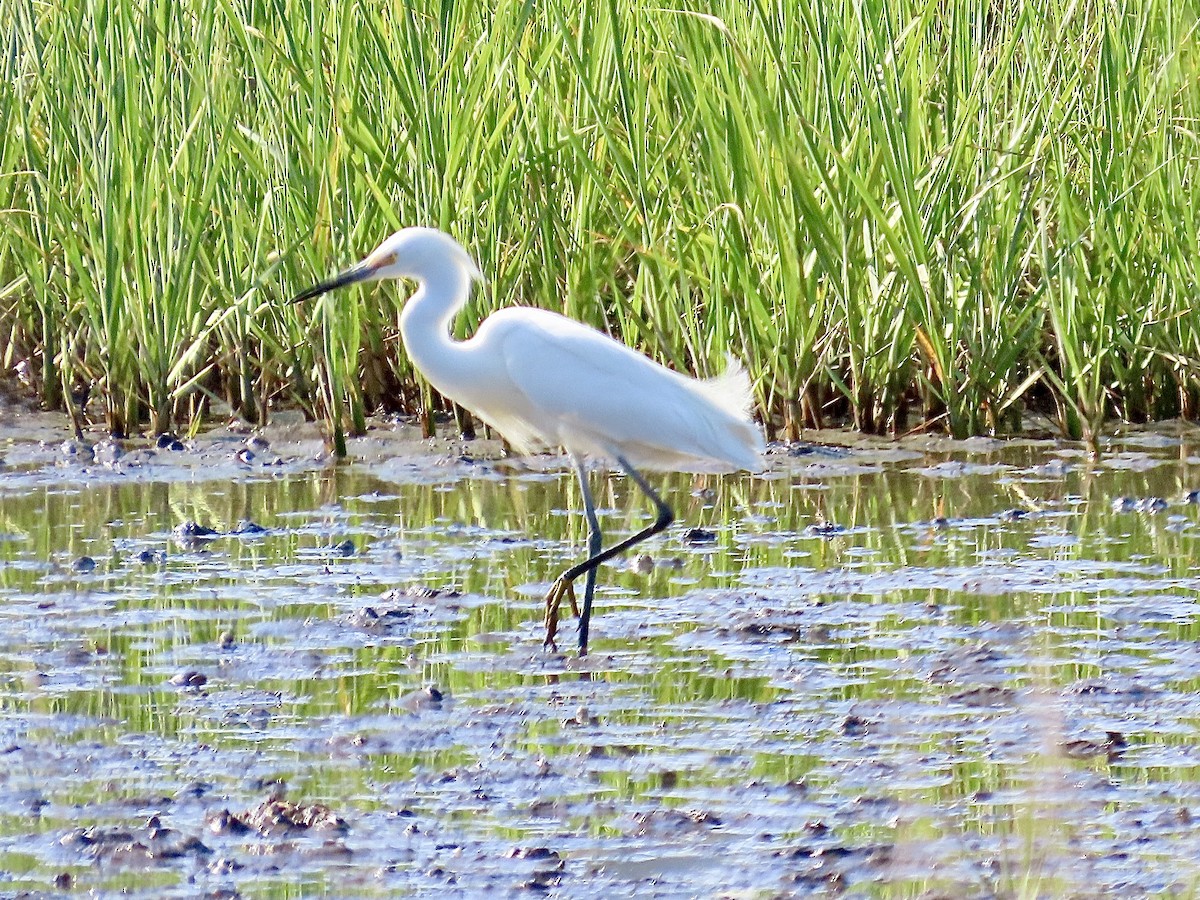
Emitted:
pixel 560 589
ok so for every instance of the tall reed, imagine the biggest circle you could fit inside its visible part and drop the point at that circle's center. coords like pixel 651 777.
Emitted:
pixel 899 213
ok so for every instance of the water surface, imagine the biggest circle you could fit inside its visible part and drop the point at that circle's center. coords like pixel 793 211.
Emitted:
pixel 892 668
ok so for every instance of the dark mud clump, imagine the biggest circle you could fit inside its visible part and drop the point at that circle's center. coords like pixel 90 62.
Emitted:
pixel 277 818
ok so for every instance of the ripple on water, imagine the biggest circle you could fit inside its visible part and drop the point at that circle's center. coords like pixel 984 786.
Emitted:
pixel 982 657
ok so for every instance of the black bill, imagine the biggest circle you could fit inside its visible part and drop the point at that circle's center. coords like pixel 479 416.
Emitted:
pixel 361 272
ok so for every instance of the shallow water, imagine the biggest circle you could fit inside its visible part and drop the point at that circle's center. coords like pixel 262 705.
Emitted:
pixel 876 677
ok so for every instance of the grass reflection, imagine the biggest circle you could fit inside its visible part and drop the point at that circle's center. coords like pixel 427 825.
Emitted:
pixel 907 681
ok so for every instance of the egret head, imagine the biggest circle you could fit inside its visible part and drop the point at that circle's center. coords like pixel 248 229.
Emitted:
pixel 423 254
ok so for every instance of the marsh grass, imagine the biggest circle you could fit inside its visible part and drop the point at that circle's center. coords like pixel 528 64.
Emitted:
pixel 905 214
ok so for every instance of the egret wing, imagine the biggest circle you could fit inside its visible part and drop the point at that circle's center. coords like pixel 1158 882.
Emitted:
pixel 592 394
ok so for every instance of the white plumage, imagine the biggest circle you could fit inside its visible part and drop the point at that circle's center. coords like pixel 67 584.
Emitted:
pixel 543 380
pixel 557 383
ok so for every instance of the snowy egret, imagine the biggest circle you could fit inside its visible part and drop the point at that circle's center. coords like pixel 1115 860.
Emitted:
pixel 543 380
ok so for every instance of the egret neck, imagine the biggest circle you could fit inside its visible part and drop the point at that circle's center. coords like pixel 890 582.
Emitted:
pixel 425 324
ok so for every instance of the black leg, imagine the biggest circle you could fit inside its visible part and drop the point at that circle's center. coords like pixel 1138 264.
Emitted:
pixel 595 541
pixel 562 586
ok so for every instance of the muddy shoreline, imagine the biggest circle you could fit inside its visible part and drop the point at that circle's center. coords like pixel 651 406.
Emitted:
pixel 889 669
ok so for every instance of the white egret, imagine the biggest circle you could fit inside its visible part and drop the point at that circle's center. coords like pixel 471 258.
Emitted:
pixel 543 380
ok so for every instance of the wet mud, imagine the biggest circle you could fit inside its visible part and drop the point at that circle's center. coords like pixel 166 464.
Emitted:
pixel 231 667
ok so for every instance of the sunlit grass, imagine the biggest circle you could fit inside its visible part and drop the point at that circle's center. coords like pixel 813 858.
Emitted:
pixel 899 214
